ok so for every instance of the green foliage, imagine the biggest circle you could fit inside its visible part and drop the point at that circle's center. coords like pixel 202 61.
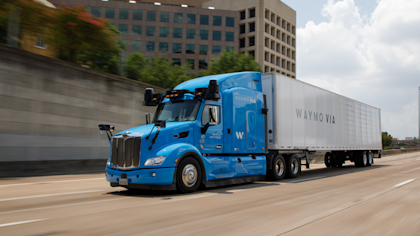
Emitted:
pixel 386 139
pixel 401 144
pixel 386 148
pixel 106 60
pixel 157 71
pixel 230 61
pixel 75 31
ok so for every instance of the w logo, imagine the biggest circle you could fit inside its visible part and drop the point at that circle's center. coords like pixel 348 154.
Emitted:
pixel 239 135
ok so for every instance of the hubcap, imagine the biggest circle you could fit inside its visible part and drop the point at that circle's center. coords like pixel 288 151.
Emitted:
pixel 189 175
pixel 364 159
pixel 370 158
pixel 279 167
pixel 294 166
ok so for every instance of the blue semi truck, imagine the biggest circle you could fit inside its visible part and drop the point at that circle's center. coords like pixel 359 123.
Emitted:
pixel 220 130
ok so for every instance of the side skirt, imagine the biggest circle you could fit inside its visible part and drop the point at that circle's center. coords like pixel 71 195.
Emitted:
pixel 237 180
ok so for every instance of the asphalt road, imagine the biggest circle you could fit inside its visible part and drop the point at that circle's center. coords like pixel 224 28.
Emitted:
pixel 383 199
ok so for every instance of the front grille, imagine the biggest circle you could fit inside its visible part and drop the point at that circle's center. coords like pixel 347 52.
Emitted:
pixel 126 152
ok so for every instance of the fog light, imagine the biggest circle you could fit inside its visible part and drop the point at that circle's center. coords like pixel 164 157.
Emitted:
pixel 153 174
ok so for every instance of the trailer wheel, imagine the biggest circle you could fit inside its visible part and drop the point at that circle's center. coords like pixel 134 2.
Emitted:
pixel 188 175
pixel 328 159
pixel 361 159
pixel 292 166
pixel 279 168
pixel 369 159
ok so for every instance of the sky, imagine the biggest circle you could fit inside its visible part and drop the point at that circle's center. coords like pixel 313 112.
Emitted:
pixel 367 50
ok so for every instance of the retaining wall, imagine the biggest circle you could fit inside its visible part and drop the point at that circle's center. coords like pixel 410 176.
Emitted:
pixel 50 111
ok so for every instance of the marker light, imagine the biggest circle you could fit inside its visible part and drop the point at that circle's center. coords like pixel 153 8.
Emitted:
pixel 157 3
pixel 184 5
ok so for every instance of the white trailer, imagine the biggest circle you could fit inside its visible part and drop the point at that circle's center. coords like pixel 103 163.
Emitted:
pixel 304 119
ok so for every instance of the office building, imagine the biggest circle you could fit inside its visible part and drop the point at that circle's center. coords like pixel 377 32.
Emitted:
pixel 265 29
pixel 183 34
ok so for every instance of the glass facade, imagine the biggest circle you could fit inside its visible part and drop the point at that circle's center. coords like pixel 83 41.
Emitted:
pixel 202 64
pixel 163 47
pixel 164 16
pixel 204 20
pixel 136 45
pixel 229 37
pixel 176 61
pixel 230 21
pixel 228 48
pixel 177 48
pixel 123 28
pixel 137 14
pixel 191 19
pixel 95 11
pixel 164 32
pixel 150 31
pixel 110 13
pixel 190 62
pixel 177 33
pixel 136 31
pixel 217 20
pixel 151 16
pixel 204 34
pixel 190 33
pixel 190 48
pixel 178 17
pixel 217 35
pixel 216 50
pixel 150 46
pixel 123 14
pixel 203 49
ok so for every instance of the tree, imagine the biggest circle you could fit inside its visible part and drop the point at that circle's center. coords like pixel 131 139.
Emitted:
pixel 386 139
pixel 106 60
pixel 135 65
pixel 231 61
pixel 74 30
pixel 156 71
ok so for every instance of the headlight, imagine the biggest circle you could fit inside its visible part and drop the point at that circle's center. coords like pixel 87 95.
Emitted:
pixel 108 163
pixel 155 161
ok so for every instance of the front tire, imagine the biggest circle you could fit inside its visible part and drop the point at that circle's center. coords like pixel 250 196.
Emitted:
pixel 188 175
pixel 279 168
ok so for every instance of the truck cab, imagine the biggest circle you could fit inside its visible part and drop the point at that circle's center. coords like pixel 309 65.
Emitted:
pixel 207 131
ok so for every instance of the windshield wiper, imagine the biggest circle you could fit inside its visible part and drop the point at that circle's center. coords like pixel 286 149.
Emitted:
pixel 159 124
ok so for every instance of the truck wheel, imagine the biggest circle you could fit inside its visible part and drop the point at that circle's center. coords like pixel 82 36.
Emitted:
pixel 279 168
pixel 369 159
pixel 188 175
pixel 292 166
pixel 328 159
pixel 361 159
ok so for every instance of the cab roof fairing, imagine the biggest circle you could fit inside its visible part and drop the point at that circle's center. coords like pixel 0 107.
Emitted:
pixel 249 80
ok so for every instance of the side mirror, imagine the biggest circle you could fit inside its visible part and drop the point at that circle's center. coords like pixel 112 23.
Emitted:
pixel 103 127
pixel 147 118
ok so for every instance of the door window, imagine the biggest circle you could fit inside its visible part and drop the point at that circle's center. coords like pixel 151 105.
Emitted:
pixel 211 113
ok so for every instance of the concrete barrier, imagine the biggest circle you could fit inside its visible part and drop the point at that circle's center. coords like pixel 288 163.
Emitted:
pixel 50 111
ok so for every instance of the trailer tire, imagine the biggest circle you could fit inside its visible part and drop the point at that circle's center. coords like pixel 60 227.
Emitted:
pixel 361 159
pixel 292 166
pixel 278 172
pixel 369 159
pixel 188 175
pixel 328 159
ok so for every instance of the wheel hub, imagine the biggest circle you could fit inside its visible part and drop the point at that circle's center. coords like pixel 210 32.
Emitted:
pixel 279 167
pixel 189 175
pixel 294 166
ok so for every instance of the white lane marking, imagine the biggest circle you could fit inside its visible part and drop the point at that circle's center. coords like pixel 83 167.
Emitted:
pixel 57 206
pixel 301 180
pixel 403 183
pixel 410 170
pixel 49 182
pixel 400 162
pixel 52 195
pixel 20 222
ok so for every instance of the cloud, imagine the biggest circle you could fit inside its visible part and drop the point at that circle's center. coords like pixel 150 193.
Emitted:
pixel 375 60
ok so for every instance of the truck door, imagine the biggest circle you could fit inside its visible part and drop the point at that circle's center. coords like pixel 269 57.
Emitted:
pixel 251 129
pixel 212 140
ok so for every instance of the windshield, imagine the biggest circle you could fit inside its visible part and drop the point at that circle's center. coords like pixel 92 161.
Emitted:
pixel 185 110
